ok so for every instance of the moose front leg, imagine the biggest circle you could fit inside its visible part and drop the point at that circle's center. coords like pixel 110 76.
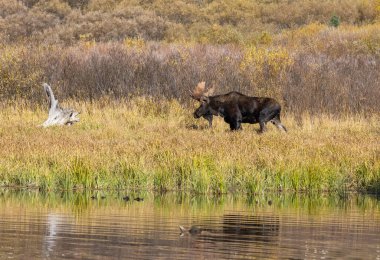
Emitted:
pixel 235 125
pixel 208 117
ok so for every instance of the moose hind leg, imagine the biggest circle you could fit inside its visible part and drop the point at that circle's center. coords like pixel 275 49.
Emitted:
pixel 276 121
pixel 263 127
pixel 266 115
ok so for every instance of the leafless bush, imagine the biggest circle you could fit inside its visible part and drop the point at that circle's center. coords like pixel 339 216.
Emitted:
pixel 324 82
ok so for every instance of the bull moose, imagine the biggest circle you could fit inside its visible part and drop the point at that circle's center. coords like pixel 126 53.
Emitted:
pixel 237 108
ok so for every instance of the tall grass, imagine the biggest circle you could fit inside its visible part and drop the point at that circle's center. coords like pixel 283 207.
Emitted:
pixel 145 144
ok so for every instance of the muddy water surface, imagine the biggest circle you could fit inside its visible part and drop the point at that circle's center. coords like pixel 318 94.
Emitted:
pixel 76 226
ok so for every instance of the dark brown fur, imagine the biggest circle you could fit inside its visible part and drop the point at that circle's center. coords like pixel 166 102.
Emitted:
pixel 237 108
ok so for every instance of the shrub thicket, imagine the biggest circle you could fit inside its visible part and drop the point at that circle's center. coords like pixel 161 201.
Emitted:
pixel 215 21
pixel 87 49
pixel 336 72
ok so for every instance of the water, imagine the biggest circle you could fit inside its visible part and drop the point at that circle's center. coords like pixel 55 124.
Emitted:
pixel 74 226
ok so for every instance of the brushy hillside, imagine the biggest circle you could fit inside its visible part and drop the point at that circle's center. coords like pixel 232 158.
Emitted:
pixel 206 21
pixel 316 69
pixel 323 58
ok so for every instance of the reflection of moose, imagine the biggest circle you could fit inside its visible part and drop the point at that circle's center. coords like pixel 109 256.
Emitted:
pixel 237 108
pixel 238 227
pixel 262 228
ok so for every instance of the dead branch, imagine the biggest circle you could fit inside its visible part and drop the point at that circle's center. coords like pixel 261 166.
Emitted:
pixel 58 115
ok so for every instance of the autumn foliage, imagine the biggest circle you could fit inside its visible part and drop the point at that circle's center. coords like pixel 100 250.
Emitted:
pixel 89 49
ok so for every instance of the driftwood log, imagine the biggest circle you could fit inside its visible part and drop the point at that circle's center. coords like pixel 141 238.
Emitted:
pixel 58 115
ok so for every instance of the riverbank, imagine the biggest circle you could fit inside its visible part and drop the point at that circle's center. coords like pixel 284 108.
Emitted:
pixel 142 144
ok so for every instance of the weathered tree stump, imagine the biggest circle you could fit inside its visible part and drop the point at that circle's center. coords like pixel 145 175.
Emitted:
pixel 58 115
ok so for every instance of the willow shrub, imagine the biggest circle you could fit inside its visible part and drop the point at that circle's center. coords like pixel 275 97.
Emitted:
pixel 314 70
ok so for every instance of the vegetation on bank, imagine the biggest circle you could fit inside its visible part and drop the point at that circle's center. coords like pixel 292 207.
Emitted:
pixel 144 144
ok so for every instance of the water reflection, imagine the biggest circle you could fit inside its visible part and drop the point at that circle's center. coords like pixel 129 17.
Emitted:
pixel 246 227
pixel 233 236
pixel 77 226
pixel 53 221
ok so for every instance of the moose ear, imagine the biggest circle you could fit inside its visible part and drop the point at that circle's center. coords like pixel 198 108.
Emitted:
pixel 205 99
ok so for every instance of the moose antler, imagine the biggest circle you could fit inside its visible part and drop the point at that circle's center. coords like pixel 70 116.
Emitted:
pixel 200 91
pixel 210 91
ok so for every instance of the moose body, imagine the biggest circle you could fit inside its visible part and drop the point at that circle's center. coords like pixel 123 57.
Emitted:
pixel 237 108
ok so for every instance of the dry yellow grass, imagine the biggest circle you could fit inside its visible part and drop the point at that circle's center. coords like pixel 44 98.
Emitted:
pixel 142 144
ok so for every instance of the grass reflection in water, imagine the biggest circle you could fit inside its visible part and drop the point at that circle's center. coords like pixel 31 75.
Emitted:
pixel 101 224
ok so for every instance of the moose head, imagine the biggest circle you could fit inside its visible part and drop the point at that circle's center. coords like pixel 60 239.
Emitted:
pixel 203 96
